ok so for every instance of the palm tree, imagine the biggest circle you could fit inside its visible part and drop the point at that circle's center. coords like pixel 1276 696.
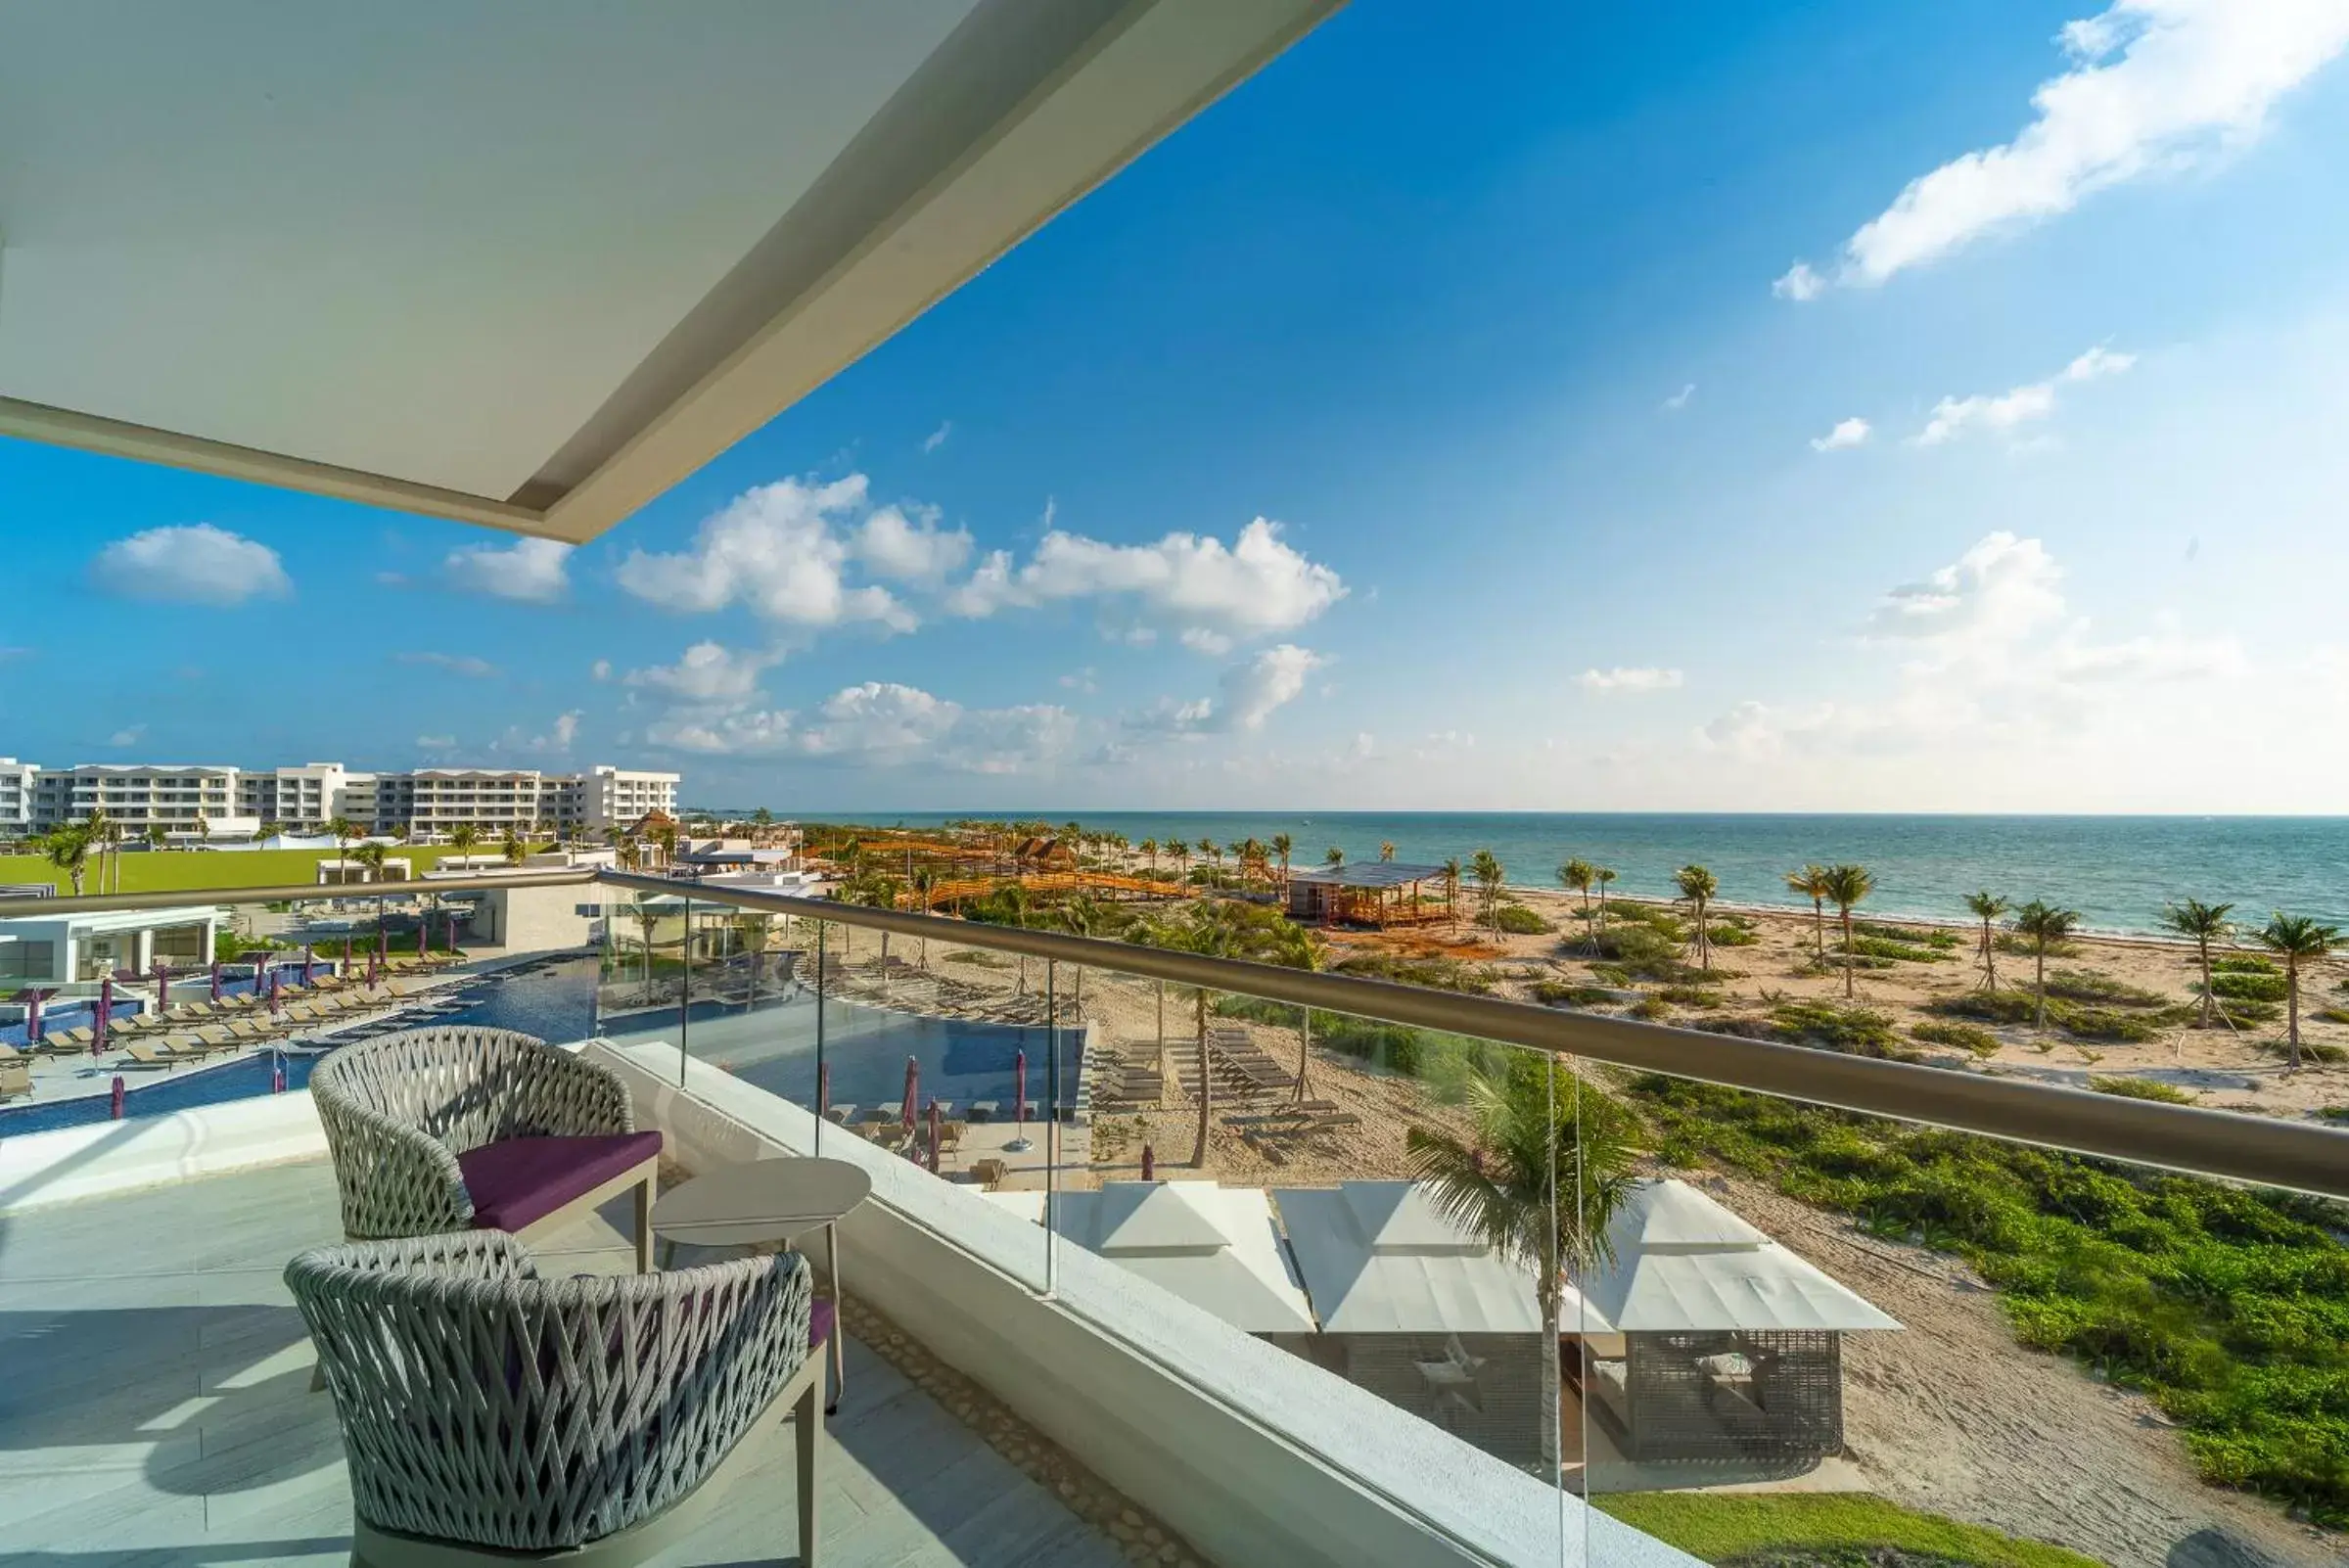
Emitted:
pixel 1603 875
pixel 646 916
pixel 2201 924
pixel 1250 856
pixel 101 830
pixel 1451 888
pixel 344 830
pixel 516 851
pixel 1150 849
pixel 68 849
pixel 1540 1182
pixel 1182 860
pixel 1812 883
pixel 1847 885
pixel 1698 886
pixel 156 836
pixel 1282 844
pixel 1333 856
pixel 1485 867
pixel 1575 875
pixel 925 883
pixel 1987 906
pixel 2046 925
pixel 1386 849
pixel 2296 938
pixel 1213 856
pixel 464 836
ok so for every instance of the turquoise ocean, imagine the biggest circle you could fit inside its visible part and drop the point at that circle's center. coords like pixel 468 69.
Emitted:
pixel 2117 871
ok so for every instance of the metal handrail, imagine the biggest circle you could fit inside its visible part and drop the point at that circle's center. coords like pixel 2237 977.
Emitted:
pixel 2297 1155
pixel 292 893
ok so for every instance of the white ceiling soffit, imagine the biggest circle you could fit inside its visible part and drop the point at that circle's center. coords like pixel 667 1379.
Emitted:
pixel 529 265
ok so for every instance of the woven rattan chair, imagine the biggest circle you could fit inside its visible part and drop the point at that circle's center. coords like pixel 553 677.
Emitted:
pixel 452 1128
pixel 492 1416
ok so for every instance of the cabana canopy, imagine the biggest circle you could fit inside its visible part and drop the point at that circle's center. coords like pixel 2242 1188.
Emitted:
pixel 1215 1247
pixel 1682 1263
pixel 1379 1258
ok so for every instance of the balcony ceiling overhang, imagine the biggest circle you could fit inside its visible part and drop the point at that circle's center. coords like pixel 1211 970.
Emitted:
pixel 530 265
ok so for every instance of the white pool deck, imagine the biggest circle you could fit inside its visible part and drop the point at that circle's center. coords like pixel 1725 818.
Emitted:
pixel 155 1408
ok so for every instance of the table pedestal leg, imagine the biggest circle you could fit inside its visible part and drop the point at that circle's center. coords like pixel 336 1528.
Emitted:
pixel 840 1332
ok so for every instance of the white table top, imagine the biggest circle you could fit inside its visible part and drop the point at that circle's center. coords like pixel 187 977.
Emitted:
pixel 762 1200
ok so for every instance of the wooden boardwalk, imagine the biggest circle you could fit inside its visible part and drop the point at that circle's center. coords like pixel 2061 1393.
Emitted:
pixel 155 1412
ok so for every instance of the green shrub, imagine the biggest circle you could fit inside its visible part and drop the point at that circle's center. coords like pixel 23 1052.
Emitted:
pixel 1835 1027
pixel 1992 1006
pixel 1693 996
pixel 1907 952
pixel 2334 1113
pixel 2083 985
pixel 1651 1009
pixel 1820 1530
pixel 2245 964
pixel 1916 936
pixel 2227 1306
pixel 1641 952
pixel 2333 1015
pixel 2311 1050
pixel 2243 985
pixel 1519 921
pixel 2115 1024
pixel 2020 1006
pixel 2023 948
pixel 2241 1013
pixel 1965 1037
pixel 2140 1088
pixel 1442 1060
pixel 1563 994
pixel 981 957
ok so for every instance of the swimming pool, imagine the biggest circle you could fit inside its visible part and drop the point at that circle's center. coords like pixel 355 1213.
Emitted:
pixel 772 1046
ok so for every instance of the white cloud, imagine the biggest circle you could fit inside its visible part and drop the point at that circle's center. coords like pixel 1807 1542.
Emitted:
pixel 882 724
pixel 1199 639
pixel 1252 692
pixel 435 743
pixel 2154 86
pixel 706 672
pixel 127 737
pixel 1679 400
pixel 895 545
pixel 2004 411
pixel 601 670
pixel 1081 680
pixel 778 549
pixel 1257 584
pixel 198 563
pixel 456 664
pixel 1853 431
pixel 533 571
pixel 936 438
pixel 2001 588
pixel 1629 678
pixel 1799 283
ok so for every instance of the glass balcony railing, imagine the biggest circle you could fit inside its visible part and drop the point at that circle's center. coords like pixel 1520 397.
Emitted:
pixel 1548 1287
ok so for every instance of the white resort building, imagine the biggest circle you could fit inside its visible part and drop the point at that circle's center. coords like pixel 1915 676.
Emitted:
pixel 209 801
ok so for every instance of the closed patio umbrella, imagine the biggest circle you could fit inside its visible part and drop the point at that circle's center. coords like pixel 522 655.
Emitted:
pixel 310 964
pixel 105 1017
pixel 215 980
pixel 163 986
pixel 823 1092
pixel 32 1018
pixel 1019 1143
pixel 913 1084
pixel 275 975
pixel 935 1157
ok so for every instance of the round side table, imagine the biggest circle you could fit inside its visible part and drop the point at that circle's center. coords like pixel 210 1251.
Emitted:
pixel 770 1200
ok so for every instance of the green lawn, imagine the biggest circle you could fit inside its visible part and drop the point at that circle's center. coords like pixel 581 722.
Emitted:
pixel 191 870
pixel 1833 1527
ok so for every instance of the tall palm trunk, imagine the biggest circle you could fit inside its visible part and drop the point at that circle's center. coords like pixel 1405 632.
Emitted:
pixel 1305 1048
pixel 1818 926
pixel 1989 960
pixel 2039 1014
pixel 1848 992
pixel 1207 1089
pixel 2291 1003
pixel 2209 1000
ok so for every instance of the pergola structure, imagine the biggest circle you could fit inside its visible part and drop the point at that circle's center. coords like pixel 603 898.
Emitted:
pixel 1375 892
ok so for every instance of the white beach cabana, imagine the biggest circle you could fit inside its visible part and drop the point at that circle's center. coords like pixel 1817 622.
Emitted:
pixel 1729 1346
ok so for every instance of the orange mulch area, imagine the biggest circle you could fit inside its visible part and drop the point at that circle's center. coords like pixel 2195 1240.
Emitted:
pixel 1418 943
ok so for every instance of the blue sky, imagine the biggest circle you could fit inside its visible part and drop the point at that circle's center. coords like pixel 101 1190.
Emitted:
pixel 2023 491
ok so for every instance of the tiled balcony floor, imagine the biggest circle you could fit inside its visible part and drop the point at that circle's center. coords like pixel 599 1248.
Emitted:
pixel 155 1408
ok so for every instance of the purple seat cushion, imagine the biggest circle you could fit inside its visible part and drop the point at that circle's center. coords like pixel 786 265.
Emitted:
pixel 819 1322
pixel 519 1181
